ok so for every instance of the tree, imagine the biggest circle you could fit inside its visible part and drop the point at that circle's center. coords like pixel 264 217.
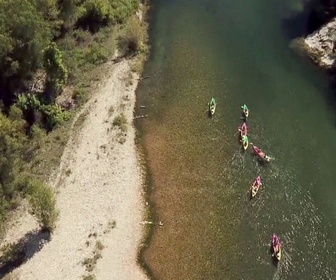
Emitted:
pixel 25 32
pixel 13 144
pixel 96 13
pixel 56 72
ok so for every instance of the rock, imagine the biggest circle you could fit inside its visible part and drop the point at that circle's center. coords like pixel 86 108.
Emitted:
pixel 321 46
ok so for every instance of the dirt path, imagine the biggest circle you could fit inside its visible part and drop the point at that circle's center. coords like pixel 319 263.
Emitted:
pixel 99 194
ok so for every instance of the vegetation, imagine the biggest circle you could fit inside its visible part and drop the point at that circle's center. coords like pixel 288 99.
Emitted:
pixel 121 122
pixel 90 263
pixel 89 277
pixel 14 151
pixel 49 48
pixel 132 37
pixel 11 253
pixel 43 204
pixel 50 53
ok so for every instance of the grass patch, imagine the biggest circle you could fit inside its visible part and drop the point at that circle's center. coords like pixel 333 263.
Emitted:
pixel 89 277
pixel 121 137
pixel 90 263
pixel 48 156
pixel 121 122
pixel 111 111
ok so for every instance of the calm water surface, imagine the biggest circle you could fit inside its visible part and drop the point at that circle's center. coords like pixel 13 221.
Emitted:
pixel 237 51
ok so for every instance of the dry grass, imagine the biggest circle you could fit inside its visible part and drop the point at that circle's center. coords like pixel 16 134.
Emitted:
pixel 90 263
pixel 121 122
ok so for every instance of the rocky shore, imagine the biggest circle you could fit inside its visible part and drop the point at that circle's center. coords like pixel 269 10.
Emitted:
pixel 321 45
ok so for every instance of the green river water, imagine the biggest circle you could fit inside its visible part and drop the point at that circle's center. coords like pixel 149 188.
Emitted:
pixel 199 178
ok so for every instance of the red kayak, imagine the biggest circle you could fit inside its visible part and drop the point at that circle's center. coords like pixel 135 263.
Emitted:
pixel 243 129
pixel 260 153
pixel 255 186
pixel 276 246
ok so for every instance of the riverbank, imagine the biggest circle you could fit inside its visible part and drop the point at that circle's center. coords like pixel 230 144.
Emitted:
pixel 99 193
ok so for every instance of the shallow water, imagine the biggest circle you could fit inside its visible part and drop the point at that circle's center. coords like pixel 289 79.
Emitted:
pixel 238 52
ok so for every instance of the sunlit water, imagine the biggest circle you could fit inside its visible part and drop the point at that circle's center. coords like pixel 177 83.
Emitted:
pixel 238 52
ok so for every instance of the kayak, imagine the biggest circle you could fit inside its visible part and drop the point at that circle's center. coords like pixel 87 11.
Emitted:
pixel 261 154
pixel 276 247
pixel 212 106
pixel 255 186
pixel 243 129
pixel 245 110
pixel 245 142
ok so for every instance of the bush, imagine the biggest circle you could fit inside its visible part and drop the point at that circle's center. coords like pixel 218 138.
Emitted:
pixel 121 122
pixel 29 105
pixel 94 14
pixel 80 96
pixel 54 116
pixel 133 36
pixel 97 54
pixel 56 72
pixel 42 200
pixel 97 13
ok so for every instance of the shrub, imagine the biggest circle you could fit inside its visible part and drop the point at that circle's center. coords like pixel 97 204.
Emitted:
pixel 132 37
pixel 121 122
pixel 29 105
pixel 89 277
pixel 42 200
pixel 54 115
pixel 56 72
pixel 96 13
pixel 80 96
pixel 97 54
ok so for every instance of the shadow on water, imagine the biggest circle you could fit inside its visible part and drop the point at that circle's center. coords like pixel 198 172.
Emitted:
pixel 303 22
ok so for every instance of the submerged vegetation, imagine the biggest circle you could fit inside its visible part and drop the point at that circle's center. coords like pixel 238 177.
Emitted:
pixel 50 52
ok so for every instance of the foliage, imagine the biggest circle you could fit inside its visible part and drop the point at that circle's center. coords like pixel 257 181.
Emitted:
pixel 133 36
pixel 56 72
pixel 122 9
pixel 69 12
pixel 121 122
pixel 80 95
pixel 13 146
pixel 30 105
pixel 43 204
pixel 48 34
pixel 54 115
pixel 25 32
pixel 28 102
pixel 97 13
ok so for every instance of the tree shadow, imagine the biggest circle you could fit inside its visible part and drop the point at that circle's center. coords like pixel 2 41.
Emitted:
pixel 23 250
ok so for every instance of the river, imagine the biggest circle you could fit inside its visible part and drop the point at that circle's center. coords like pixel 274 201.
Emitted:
pixel 199 178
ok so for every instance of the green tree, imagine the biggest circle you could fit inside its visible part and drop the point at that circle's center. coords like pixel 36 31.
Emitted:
pixel 96 13
pixel 13 145
pixel 25 32
pixel 56 71
pixel 69 12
